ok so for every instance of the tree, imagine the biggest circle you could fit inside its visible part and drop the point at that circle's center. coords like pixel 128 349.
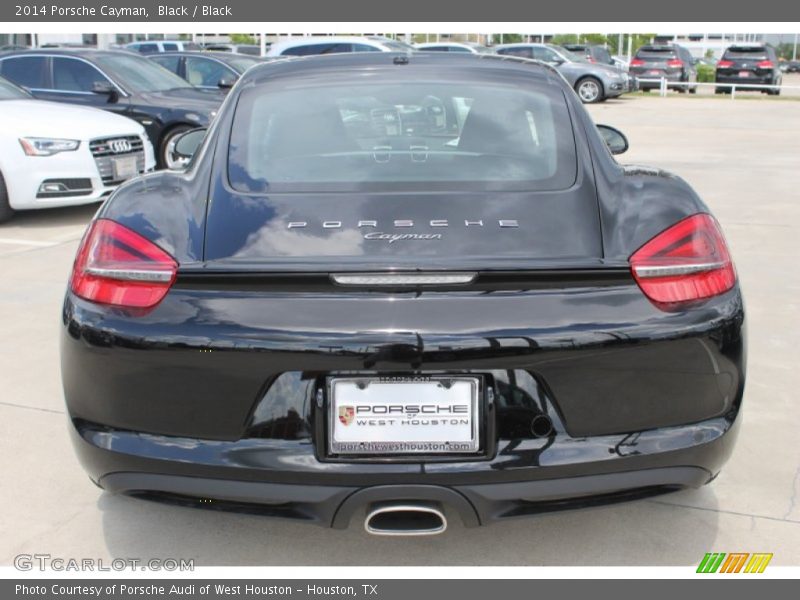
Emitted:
pixel 242 38
pixel 508 38
pixel 639 40
pixel 785 51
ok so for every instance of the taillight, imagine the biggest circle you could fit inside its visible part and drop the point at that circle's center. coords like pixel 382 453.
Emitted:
pixel 637 62
pixel 688 261
pixel 118 266
pixel 724 64
pixel 675 63
pixel 765 64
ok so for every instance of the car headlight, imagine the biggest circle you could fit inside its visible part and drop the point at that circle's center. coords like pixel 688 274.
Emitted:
pixel 34 146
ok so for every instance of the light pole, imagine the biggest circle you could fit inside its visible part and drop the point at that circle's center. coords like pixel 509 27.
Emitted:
pixel 630 47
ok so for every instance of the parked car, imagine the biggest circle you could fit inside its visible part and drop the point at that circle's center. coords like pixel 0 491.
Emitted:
pixel 208 70
pixel 671 62
pixel 790 66
pixel 248 49
pixel 600 55
pixel 305 46
pixel 59 155
pixel 470 47
pixel 156 46
pixel 752 64
pixel 397 284
pixel 120 82
pixel 594 53
pixel 592 82
pixel 620 62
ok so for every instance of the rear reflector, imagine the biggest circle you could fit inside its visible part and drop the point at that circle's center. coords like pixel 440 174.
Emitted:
pixel 688 261
pixel 117 266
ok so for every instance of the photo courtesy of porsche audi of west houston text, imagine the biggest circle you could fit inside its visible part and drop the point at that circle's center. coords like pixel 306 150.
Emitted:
pixel 54 11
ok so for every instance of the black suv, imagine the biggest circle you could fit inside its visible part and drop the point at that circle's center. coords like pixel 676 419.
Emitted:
pixel 749 64
pixel 118 81
pixel 664 61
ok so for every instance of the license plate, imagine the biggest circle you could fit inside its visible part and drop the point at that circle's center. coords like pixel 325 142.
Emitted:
pixel 744 73
pixel 404 415
pixel 124 167
pixel 654 73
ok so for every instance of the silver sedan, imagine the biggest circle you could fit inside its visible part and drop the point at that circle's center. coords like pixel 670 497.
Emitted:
pixel 591 81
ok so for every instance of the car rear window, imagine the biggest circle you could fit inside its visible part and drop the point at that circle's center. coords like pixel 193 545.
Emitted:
pixel 521 51
pixel 751 53
pixel 418 135
pixel 656 53
pixel 313 49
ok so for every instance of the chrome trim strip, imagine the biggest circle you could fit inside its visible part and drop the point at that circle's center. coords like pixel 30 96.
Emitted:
pixel 671 270
pixel 388 279
pixel 153 276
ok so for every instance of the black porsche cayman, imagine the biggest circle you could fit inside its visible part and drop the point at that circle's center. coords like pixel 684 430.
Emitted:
pixel 399 288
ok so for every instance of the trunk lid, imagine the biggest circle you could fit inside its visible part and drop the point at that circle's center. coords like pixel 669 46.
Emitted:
pixel 655 62
pixel 404 230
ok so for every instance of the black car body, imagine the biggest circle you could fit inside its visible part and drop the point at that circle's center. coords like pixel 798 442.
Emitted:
pixel 751 65
pixel 206 70
pixel 670 62
pixel 246 49
pixel 453 223
pixel 119 81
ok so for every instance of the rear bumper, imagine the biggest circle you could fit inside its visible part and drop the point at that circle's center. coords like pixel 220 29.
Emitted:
pixel 755 80
pixel 651 84
pixel 233 408
pixel 522 480
pixel 339 507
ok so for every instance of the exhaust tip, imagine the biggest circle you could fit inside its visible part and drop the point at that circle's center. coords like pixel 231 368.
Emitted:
pixel 405 519
pixel 541 426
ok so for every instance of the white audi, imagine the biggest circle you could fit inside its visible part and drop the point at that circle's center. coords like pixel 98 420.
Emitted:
pixel 54 154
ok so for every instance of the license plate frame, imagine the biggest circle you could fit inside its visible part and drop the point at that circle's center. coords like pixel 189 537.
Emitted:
pixel 744 74
pixel 388 443
pixel 124 167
